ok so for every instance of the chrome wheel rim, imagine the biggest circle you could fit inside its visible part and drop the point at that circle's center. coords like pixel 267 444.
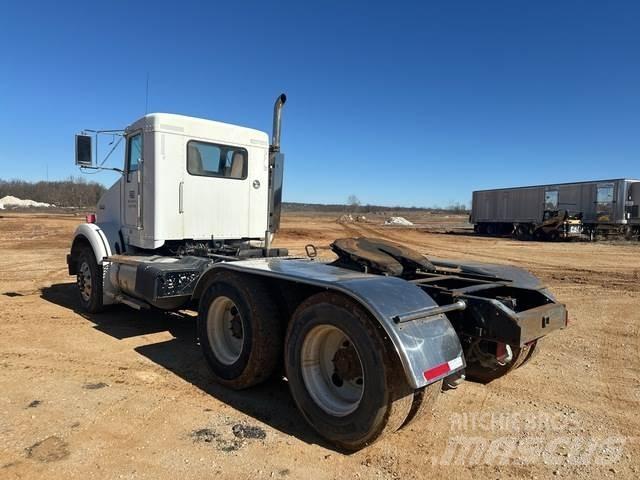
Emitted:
pixel 332 370
pixel 84 281
pixel 224 330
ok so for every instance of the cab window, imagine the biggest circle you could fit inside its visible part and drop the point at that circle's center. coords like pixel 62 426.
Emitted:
pixel 215 160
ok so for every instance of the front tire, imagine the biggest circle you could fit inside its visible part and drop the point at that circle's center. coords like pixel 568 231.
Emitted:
pixel 239 330
pixel 89 280
pixel 344 377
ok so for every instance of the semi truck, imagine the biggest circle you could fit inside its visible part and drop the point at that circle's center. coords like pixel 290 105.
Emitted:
pixel 603 207
pixel 366 341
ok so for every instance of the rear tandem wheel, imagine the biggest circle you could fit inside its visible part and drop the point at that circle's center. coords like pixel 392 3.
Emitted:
pixel 239 330
pixel 521 356
pixel 344 377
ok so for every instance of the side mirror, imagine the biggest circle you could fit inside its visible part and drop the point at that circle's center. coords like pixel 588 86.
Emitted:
pixel 84 150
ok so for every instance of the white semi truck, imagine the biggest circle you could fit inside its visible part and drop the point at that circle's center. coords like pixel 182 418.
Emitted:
pixel 366 342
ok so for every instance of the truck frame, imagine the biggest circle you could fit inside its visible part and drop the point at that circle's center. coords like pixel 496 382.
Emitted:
pixel 366 341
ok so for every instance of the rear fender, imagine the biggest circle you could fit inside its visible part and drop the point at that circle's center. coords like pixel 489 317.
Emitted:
pixel 425 345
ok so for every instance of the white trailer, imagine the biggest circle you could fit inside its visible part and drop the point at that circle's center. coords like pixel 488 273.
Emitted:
pixel 366 342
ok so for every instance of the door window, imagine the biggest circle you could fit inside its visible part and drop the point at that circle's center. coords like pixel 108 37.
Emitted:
pixel 134 152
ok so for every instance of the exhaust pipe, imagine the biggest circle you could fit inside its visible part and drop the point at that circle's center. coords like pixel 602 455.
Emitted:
pixel 274 151
pixel 277 122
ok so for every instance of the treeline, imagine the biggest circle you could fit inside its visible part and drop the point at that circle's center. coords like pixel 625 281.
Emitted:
pixel 456 208
pixel 72 192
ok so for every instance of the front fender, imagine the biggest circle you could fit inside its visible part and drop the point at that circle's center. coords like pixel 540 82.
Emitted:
pixel 95 236
pixel 423 346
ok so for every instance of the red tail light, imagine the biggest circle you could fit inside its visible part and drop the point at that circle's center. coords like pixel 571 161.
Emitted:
pixel 91 218
pixel 436 371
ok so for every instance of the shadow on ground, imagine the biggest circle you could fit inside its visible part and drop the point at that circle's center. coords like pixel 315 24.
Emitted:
pixel 269 403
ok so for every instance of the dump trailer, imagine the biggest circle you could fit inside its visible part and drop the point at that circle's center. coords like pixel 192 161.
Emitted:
pixel 604 207
pixel 366 341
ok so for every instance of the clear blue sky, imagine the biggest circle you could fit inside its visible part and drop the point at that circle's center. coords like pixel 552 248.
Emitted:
pixel 398 103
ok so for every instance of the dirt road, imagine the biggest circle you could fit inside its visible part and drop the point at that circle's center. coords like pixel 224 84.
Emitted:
pixel 126 394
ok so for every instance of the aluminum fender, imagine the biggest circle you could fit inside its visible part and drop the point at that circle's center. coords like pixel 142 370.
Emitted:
pixel 421 344
pixel 101 249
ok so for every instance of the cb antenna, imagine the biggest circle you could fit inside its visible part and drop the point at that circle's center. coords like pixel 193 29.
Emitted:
pixel 146 100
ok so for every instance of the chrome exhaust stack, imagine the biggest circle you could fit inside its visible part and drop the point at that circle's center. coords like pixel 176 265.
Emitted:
pixel 277 122
pixel 276 169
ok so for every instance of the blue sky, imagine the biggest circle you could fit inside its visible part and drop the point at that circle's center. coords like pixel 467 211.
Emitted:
pixel 398 103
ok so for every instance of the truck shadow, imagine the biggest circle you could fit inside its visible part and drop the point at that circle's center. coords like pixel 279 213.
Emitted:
pixel 269 403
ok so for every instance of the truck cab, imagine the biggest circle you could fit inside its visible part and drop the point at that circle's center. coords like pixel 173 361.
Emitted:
pixel 188 179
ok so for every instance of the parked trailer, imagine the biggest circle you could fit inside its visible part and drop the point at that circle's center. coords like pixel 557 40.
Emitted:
pixel 366 342
pixel 604 206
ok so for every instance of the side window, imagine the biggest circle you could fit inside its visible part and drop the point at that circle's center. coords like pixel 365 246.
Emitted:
pixel 213 160
pixel 551 200
pixel 134 152
pixel 605 195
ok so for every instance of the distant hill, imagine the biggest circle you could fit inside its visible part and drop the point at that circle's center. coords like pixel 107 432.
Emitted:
pixel 336 207
pixel 73 192
pixel 78 192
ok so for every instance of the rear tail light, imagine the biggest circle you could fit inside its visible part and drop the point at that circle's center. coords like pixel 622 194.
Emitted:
pixel 91 218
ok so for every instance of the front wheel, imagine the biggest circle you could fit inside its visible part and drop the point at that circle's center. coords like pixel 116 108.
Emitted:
pixel 89 281
pixel 344 377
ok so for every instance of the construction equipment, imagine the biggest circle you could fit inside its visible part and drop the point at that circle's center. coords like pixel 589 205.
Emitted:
pixel 555 225
pixel 368 339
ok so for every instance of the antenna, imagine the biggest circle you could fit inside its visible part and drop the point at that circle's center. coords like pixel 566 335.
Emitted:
pixel 146 100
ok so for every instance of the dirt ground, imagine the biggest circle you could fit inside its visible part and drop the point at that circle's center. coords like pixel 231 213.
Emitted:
pixel 127 395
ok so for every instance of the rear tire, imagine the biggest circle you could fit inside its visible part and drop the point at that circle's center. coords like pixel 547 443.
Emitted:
pixel 344 377
pixel 521 356
pixel 239 330
pixel 89 280
pixel 423 402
